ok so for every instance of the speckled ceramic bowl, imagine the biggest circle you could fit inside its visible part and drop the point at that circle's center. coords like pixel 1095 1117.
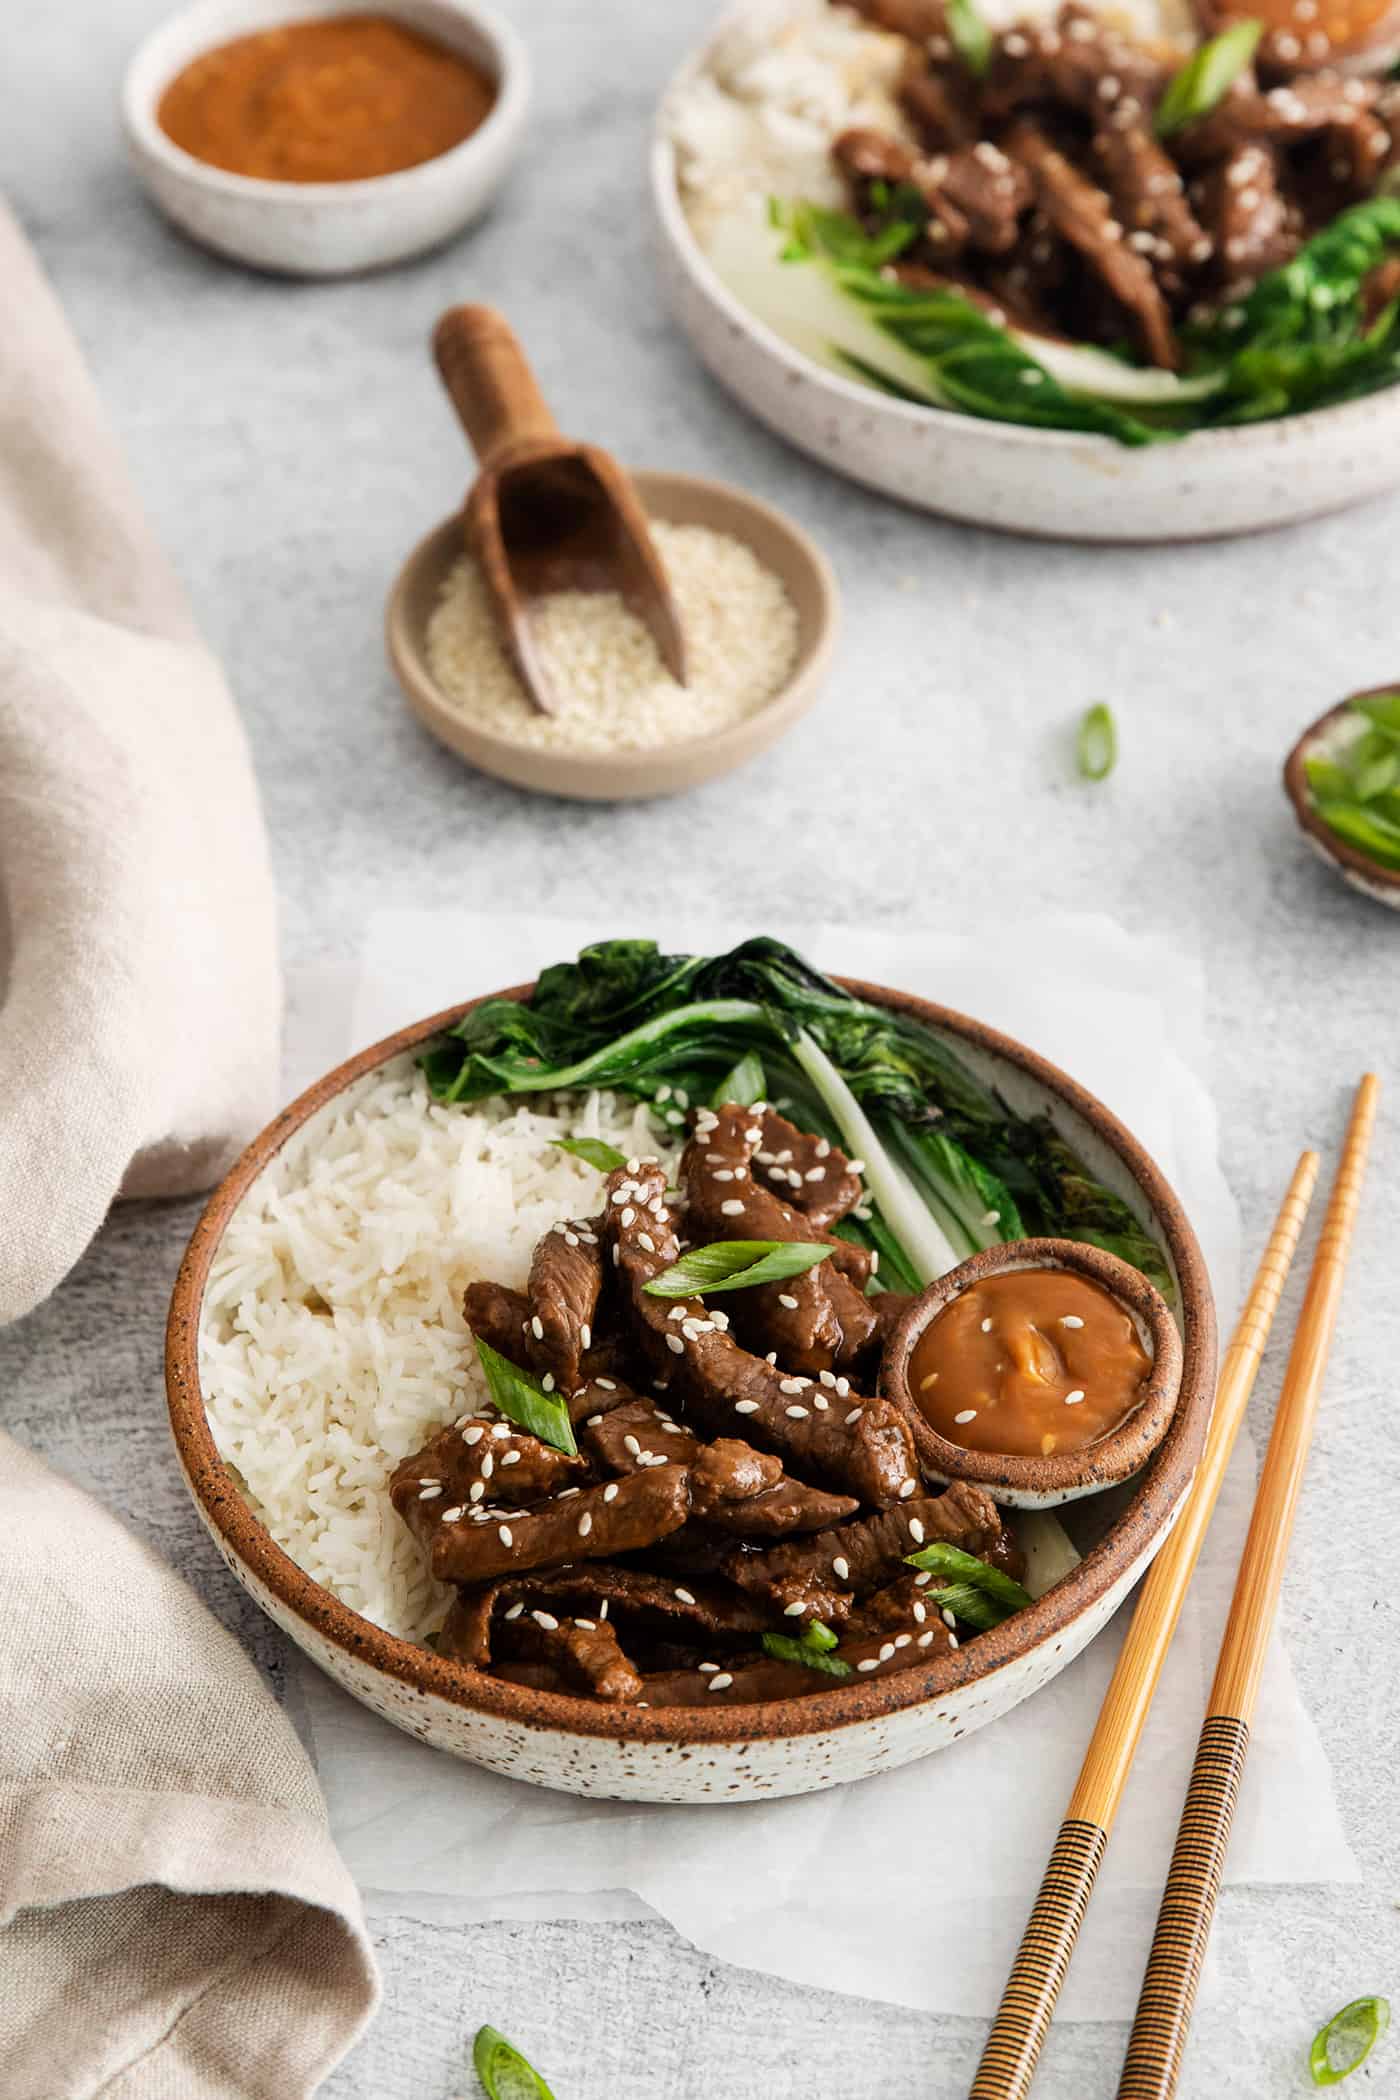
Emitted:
pixel 738 1753
pixel 1040 1483
pixel 1051 483
pixel 325 229
pixel 1382 885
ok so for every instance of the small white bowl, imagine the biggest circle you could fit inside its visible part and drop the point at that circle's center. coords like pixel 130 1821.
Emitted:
pixel 1055 484
pixel 325 229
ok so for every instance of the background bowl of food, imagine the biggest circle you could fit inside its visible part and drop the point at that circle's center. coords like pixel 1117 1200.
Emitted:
pixel 428 97
pixel 1060 325
pixel 356 1454
pixel 1343 780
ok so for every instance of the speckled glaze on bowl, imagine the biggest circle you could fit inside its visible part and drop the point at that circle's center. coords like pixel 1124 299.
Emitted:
pixel 736 1753
pixel 325 229
pixel 1052 484
pixel 1040 1483
pixel 1381 885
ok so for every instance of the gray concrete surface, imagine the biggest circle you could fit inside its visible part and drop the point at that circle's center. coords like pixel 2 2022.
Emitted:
pixel 291 443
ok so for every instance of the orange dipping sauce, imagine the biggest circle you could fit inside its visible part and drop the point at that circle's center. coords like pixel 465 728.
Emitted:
pixel 1029 1362
pixel 337 99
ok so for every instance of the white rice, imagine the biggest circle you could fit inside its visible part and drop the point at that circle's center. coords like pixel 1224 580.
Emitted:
pixel 332 1340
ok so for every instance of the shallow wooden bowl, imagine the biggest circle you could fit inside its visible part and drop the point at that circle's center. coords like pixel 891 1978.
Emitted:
pixel 625 776
pixel 737 1753
pixel 1382 885
pixel 1040 1483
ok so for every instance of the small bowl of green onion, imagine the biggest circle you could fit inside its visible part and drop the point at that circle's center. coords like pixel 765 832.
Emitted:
pixel 1343 780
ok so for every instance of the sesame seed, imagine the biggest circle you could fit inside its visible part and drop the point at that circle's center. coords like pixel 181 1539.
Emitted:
pixel 733 1207
pixel 629 1443
pixel 617 1255
pixel 476 1491
pixel 789 1385
pixel 746 1407
pixel 854 1416
pixel 585 1335
pixel 843 1387
pixel 488 1466
pixel 608 1385
pixel 986 1327
pixel 953 1640
pixel 644 1239
pixel 855 1166
pixel 473 1436
pixel 1073 1399
pixel 947 1617
pixel 798 1412
pixel 610 1491
pixel 547 1382
pixel 920 1612
pixel 822 1148
pixel 908 1488
pixel 427 1492
pixel 570 1238
pixel 869 1664
pixel 902 1640
pixel 506 1535
pixel 916 1531
pixel 450 1516
pixel 786 1298
pixel 820 1403
pixel 515 1611
pixel 722 1682
pixel 826 1378
pixel 1071 1320
pixel 707 1669
pixel 794 1611
pixel 724 1173
pixel 585 1525
pixel 683 1597
pixel 815 1174
pixel 921 1582
pixel 511 1458
pixel 537 1328
pixel 675 1345
pixel 886 1650
pixel 501 1429
pixel 841 1568
pixel 588 1625
pixel 603 1609
pixel 925 1639
pixel 968 1414
pixel 663 1092
pixel 682 1098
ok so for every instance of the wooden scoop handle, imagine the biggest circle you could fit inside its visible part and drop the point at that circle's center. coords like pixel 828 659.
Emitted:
pixel 489 381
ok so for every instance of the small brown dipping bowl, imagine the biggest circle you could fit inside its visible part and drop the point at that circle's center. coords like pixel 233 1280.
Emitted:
pixel 1038 1483
pixel 667 769
pixel 1355 867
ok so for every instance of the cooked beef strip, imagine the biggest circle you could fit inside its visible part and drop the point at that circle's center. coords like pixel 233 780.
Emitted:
pixel 630 1438
pixel 1252 226
pixel 597 1396
pixel 814 1322
pixel 936 100
pixel 975 195
pixel 863 1447
pixel 473 1462
pixel 779 1511
pixel 824 1574
pixel 919 20
pixel 1083 214
pixel 1341 111
pixel 743 1491
pixel 586 1652
pixel 593 1524
pixel 1076 61
pixel 747 1680
pixel 814 1174
pixel 535 1676
pixel 644 1606
pixel 501 1318
pixel 566 1276
pixel 1149 199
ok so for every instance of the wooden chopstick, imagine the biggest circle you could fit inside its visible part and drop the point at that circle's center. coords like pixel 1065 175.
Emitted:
pixel 1028 2002
pixel 1153 2062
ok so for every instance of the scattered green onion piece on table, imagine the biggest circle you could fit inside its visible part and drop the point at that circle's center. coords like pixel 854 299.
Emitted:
pixel 1207 77
pixel 595 1151
pixel 503 2071
pixel 811 1654
pixel 1344 2044
pixel 522 1400
pixel 745 1084
pixel 972 40
pixel 1096 747
pixel 735 1265
pixel 943 1559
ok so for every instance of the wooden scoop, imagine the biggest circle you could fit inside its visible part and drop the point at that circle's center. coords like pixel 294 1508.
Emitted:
pixel 545 514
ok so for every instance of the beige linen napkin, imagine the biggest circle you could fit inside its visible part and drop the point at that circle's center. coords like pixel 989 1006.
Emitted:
pixel 139 999
pixel 175 1923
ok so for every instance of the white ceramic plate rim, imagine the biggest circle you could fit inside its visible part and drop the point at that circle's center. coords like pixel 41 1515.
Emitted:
pixel 149 73
pixel 676 230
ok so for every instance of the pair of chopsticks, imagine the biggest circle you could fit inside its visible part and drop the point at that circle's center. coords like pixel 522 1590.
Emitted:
pixel 1153 2061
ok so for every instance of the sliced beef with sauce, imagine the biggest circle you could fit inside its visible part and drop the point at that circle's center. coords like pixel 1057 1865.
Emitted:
pixel 585 1652
pixel 825 1574
pixel 815 1175
pixel 474 1462
pixel 500 1317
pixel 594 1523
pixel 646 1608
pixel 974 195
pixel 1149 200
pixel 1076 62
pixel 1082 214
pixel 566 1278
pixel 1253 227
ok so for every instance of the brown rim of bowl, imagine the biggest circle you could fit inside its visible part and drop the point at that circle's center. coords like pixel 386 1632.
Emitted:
pixel 1295 786
pixel 1115 1457
pixel 243 1536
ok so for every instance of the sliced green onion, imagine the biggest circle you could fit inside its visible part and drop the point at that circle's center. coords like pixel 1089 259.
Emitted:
pixel 606 1158
pixel 1381 708
pixel 1096 746
pixel 1370 833
pixel 783 1648
pixel 503 2071
pixel 745 1084
pixel 524 1401
pixel 1207 76
pixel 735 1265
pixel 972 40
pixel 966 1602
pixel 943 1559
pixel 818 1634
pixel 1344 2044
